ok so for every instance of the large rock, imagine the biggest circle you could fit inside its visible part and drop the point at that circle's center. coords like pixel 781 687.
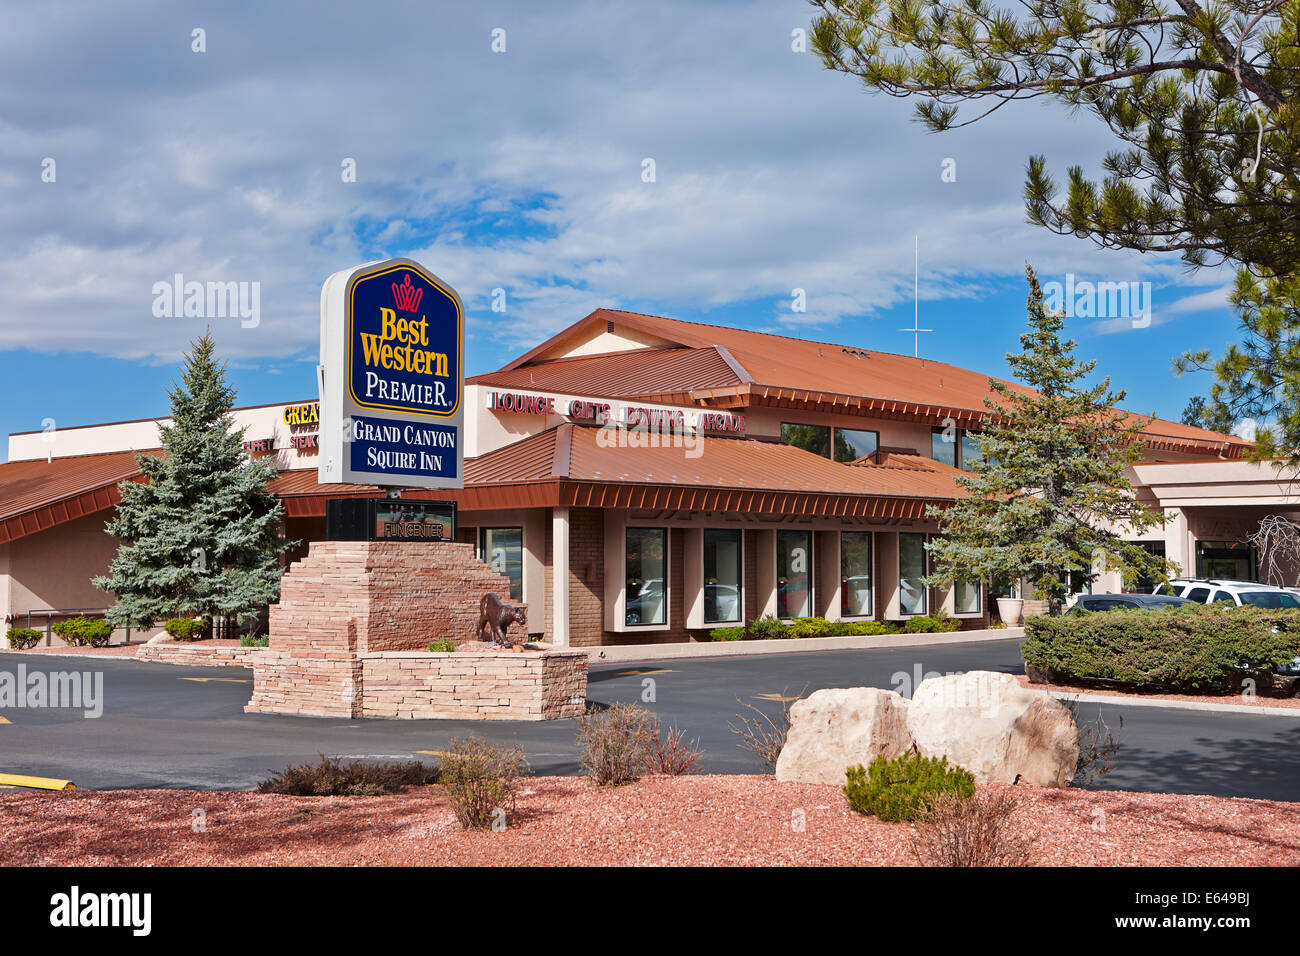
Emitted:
pixel 837 728
pixel 999 731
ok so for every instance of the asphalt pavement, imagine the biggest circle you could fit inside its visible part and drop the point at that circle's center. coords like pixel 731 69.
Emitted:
pixel 169 726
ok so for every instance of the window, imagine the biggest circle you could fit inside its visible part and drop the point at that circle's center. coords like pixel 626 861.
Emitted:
pixel 943 445
pixel 1223 597
pixel 502 550
pixel 911 569
pixel 793 574
pixel 646 578
pixel 1269 599
pixel 855 573
pixel 970 450
pixel 852 443
pixel 813 438
pixel 1198 594
pixel 722 581
pixel 967 598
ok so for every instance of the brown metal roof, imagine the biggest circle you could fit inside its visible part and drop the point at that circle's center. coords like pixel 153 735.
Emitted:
pixel 705 462
pixel 35 495
pixel 790 372
pixel 663 374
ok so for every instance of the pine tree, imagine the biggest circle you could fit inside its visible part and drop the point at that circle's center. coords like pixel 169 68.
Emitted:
pixel 201 535
pixel 1048 494
pixel 1203 98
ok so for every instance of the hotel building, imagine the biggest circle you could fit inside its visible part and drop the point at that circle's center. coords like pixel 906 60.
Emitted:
pixel 645 479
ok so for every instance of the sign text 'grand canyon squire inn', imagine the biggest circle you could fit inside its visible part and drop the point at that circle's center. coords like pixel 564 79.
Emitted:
pixel 637 478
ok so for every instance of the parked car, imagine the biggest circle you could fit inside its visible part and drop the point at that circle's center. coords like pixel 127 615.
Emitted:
pixel 647 605
pixel 1224 591
pixel 1124 602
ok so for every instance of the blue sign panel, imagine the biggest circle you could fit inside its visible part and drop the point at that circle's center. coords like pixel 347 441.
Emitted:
pixel 404 335
pixel 386 447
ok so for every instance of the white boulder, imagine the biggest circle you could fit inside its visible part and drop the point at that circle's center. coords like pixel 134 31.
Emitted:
pixel 837 728
pixel 995 728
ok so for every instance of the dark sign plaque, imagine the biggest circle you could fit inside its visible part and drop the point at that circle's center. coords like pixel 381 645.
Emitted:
pixel 389 519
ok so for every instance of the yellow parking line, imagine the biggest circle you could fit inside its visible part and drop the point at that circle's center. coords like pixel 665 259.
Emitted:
pixel 39 783
pixel 639 673
pixel 784 700
pixel 5 720
pixel 219 680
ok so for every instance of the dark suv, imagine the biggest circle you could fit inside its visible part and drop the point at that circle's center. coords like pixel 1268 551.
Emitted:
pixel 1125 602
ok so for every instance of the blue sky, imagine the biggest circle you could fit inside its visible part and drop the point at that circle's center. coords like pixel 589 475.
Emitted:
pixel 520 170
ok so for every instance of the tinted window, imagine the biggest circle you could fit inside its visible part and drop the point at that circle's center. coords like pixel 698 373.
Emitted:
pixel 852 444
pixel 1269 599
pixel 1198 594
pixel 813 438
pixel 943 445
pixel 1223 597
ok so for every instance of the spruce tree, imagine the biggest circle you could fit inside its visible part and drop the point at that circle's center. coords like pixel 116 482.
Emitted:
pixel 1049 496
pixel 201 535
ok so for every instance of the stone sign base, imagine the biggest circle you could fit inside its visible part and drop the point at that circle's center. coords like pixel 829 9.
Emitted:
pixel 349 638
pixel 492 685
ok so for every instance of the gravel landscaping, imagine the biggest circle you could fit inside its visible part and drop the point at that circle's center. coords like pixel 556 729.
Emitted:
pixel 694 821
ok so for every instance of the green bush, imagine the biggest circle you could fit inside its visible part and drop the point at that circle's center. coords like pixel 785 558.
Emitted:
pixel 255 640
pixel 931 624
pixel 80 631
pixel 904 787
pixel 766 628
pixel 21 638
pixel 184 628
pixel 444 645
pixel 769 628
pixel 1194 647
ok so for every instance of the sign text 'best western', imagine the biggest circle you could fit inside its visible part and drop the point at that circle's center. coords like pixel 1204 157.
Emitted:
pixel 392 377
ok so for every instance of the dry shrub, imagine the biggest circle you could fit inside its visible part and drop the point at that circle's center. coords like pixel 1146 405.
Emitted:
pixel 481 781
pixel 333 778
pixel 616 743
pixel 1097 745
pixel 970 831
pixel 762 735
pixel 673 754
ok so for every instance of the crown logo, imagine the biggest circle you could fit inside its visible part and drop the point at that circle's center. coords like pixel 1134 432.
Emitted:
pixel 407 296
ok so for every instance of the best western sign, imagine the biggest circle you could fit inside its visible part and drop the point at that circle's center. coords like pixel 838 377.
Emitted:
pixel 392 378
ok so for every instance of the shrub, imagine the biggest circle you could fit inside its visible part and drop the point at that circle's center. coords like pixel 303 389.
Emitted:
pixel 931 624
pixel 904 787
pixel 727 634
pixel 809 627
pixel 21 638
pixel 1192 648
pixel 766 628
pixel 443 645
pixel 615 743
pixel 184 628
pixel 333 778
pixel 481 781
pixel 762 734
pixel 970 831
pixel 80 631
pixel 255 640
pixel 673 755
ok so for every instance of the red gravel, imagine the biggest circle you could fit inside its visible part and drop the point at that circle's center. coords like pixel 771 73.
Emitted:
pixel 1292 703
pixel 700 821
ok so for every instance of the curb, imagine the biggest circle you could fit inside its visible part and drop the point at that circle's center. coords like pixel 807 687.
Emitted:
pixel 1177 704
pixel 24 655
pixel 606 654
